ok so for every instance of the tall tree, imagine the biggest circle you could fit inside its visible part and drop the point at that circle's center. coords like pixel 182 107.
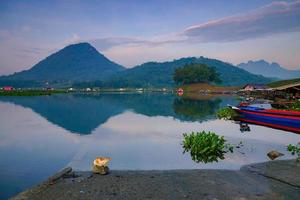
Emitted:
pixel 195 73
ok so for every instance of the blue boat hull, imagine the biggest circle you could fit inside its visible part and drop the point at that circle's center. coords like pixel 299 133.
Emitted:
pixel 290 123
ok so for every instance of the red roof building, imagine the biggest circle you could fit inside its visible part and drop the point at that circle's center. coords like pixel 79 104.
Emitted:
pixel 8 88
pixel 251 87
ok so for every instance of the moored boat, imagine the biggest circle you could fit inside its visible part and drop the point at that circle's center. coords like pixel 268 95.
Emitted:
pixel 279 119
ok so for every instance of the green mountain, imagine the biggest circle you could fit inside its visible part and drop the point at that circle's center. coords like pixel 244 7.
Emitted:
pixel 160 74
pixel 82 65
pixel 77 62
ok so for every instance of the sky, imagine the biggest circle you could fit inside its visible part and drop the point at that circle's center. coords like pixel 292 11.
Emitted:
pixel 131 32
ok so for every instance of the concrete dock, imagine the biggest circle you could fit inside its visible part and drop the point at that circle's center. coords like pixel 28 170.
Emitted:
pixel 269 180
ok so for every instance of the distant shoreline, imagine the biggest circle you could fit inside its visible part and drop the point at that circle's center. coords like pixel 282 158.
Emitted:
pixel 30 92
pixel 188 90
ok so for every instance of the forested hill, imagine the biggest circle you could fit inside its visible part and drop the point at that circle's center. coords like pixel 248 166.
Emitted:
pixel 160 74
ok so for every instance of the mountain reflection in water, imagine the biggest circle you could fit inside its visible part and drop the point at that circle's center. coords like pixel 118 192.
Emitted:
pixel 138 131
pixel 82 114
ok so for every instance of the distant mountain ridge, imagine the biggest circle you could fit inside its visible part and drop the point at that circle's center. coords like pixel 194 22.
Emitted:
pixel 262 67
pixel 161 73
pixel 74 62
pixel 82 63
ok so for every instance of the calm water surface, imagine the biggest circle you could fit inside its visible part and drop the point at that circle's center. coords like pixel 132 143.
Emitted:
pixel 41 135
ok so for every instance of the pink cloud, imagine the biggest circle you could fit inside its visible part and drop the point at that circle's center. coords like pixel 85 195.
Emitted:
pixel 277 17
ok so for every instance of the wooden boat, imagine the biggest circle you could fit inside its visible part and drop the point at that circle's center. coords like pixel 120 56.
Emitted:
pixel 279 119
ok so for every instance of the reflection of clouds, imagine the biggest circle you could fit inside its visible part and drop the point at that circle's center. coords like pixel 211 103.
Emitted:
pixel 22 128
pixel 134 141
pixel 132 124
pixel 161 128
pixel 28 138
pixel 123 136
pixel 254 151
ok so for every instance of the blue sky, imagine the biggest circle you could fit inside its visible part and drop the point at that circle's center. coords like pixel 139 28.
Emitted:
pixel 135 31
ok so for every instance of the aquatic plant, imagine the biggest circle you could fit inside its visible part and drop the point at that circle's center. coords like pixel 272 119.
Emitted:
pixel 295 150
pixel 296 106
pixel 206 146
pixel 226 113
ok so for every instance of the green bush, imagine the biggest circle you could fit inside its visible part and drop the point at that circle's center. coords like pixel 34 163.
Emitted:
pixel 296 106
pixel 294 149
pixel 206 146
pixel 226 113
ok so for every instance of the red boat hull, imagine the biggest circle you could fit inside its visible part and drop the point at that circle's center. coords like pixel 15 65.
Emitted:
pixel 285 128
pixel 285 120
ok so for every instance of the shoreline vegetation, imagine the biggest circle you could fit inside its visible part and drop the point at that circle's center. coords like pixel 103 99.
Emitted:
pixel 40 92
pixel 189 90
pixel 269 180
pixel 280 99
pixel 209 89
pixel 30 92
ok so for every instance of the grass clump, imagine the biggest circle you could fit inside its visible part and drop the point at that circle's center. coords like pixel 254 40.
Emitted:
pixel 295 150
pixel 226 113
pixel 296 106
pixel 206 146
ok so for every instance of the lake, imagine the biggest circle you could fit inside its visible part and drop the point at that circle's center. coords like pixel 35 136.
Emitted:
pixel 41 135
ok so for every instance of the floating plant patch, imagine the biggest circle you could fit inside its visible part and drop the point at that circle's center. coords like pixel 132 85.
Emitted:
pixel 206 147
pixel 294 150
pixel 227 113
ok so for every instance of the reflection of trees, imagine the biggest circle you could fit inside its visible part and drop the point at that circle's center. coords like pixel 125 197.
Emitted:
pixel 194 110
pixel 149 104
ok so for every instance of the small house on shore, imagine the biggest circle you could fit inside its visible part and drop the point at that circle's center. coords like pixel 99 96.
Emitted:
pixel 252 87
pixel 49 88
pixel 8 88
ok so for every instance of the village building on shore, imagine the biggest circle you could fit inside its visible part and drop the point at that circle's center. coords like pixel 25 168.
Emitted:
pixel 252 87
pixel 7 88
pixel 290 91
